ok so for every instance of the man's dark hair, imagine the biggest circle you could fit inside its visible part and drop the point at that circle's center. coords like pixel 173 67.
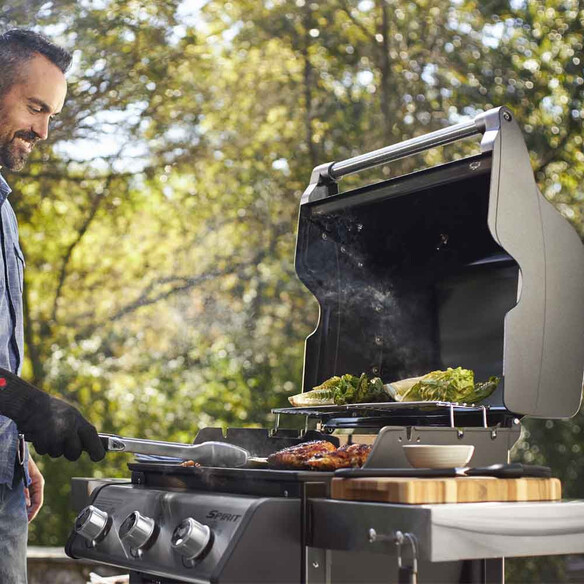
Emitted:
pixel 18 46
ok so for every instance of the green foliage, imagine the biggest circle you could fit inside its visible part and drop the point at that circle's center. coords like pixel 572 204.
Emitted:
pixel 158 223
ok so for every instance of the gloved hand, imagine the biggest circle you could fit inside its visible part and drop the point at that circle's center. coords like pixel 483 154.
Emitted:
pixel 52 425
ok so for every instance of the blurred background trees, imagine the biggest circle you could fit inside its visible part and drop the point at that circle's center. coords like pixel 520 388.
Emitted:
pixel 158 222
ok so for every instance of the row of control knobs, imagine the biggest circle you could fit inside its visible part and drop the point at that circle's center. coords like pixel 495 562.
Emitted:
pixel 190 538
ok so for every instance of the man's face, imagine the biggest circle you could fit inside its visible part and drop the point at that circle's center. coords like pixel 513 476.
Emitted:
pixel 27 108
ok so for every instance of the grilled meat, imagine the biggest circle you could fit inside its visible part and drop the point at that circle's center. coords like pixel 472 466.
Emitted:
pixel 295 457
pixel 189 463
pixel 348 456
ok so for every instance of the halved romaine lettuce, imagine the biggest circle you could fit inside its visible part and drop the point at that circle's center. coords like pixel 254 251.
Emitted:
pixel 452 385
pixel 347 389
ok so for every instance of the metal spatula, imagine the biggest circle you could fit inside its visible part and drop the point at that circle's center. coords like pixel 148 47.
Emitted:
pixel 206 453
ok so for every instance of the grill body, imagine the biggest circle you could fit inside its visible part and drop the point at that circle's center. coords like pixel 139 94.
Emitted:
pixel 300 535
pixel 253 537
pixel 465 264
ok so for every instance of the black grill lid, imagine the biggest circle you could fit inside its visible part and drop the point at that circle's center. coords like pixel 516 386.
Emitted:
pixel 424 271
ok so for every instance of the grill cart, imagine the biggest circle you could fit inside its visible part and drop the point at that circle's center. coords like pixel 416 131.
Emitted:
pixel 463 264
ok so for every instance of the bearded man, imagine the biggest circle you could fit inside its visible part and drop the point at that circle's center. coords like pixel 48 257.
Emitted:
pixel 32 91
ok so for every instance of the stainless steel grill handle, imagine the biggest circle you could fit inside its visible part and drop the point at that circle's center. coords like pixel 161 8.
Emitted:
pixel 407 148
pixel 324 178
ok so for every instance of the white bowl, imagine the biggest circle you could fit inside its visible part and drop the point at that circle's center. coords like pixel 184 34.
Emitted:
pixel 438 455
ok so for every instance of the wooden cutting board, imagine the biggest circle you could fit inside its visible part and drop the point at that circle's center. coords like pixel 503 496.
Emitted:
pixel 446 490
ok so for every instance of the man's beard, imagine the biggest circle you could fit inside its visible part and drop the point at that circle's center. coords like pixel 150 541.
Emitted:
pixel 13 157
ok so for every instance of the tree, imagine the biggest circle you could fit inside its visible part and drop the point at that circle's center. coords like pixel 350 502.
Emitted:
pixel 158 224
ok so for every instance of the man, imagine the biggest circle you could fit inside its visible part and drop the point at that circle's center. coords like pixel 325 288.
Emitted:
pixel 32 92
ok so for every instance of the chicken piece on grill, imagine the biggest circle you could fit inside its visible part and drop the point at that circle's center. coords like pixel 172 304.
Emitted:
pixel 295 457
pixel 348 456
pixel 189 463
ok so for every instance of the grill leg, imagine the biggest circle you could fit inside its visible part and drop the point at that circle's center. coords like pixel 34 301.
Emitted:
pixel 317 566
pixel 495 571
pixel 491 571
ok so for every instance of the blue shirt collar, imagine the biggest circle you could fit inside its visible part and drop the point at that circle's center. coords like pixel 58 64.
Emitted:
pixel 5 190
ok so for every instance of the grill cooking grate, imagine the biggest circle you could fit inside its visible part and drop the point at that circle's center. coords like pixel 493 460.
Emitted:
pixel 425 412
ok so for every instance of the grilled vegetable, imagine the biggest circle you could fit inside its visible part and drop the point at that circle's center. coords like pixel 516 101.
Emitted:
pixel 347 389
pixel 452 385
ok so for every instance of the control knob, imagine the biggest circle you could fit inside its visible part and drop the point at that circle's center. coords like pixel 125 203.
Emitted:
pixel 190 538
pixel 137 530
pixel 92 524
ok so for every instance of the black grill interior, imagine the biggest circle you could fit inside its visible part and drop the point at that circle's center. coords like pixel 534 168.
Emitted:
pixel 408 277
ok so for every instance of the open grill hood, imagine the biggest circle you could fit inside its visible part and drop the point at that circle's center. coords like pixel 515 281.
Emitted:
pixel 463 264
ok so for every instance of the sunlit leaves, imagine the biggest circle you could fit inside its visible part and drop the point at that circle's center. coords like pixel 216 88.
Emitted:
pixel 159 221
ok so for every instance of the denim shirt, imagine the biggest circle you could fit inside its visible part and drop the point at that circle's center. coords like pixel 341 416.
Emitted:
pixel 11 324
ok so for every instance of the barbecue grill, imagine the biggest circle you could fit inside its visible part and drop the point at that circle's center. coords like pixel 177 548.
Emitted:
pixel 463 264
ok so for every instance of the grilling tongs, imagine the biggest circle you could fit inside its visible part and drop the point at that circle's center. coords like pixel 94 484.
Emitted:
pixel 207 453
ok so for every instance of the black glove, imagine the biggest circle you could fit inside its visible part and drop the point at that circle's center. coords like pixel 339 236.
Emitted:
pixel 52 425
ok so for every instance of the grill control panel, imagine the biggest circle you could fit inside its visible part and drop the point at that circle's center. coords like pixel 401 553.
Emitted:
pixel 186 535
